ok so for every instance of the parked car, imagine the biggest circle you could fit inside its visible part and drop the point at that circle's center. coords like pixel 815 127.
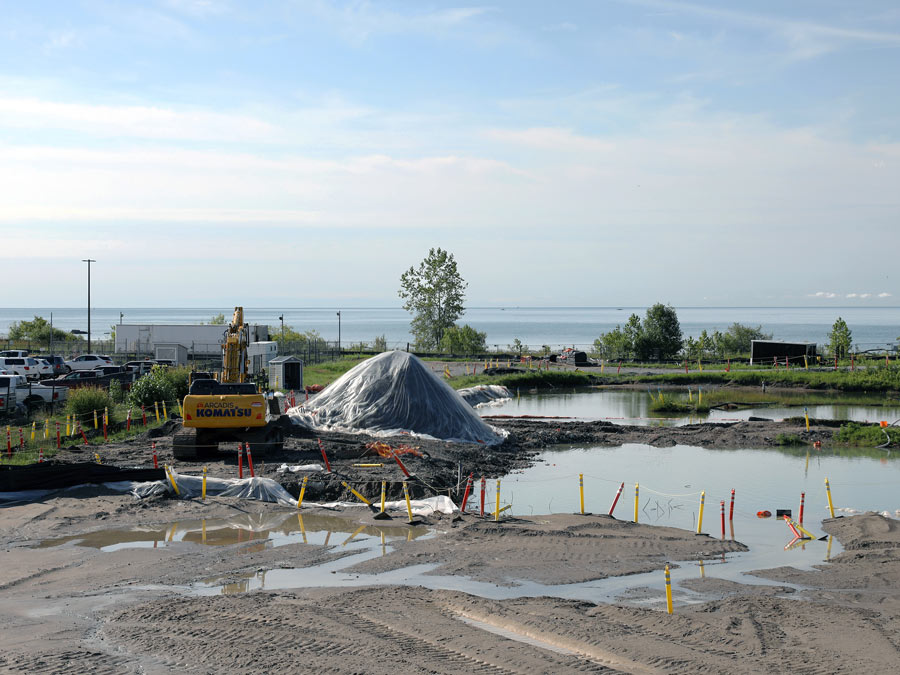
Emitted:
pixel 45 368
pixel 139 367
pixel 78 376
pixel 21 365
pixel 89 362
pixel 15 353
pixel 107 370
pixel 168 363
pixel 59 365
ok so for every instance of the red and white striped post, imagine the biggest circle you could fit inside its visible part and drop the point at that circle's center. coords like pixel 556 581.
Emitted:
pixel 58 439
pixel 240 460
pixel 731 508
pixel 155 459
pixel 722 511
pixel 802 504
pixel 616 500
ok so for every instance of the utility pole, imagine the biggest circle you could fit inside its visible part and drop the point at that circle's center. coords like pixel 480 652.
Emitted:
pixel 339 334
pixel 281 318
pixel 89 261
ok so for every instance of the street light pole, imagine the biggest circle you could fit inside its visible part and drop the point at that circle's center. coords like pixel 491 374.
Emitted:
pixel 89 261
pixel 281 318
pixel 339 334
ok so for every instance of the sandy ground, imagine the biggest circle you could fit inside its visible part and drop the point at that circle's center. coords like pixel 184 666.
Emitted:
pixel 69 606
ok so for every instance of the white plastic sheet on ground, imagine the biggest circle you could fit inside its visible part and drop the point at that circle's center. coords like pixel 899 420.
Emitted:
pixel 483 395
pixel 267 490
pixel 298 468
pixel 395 393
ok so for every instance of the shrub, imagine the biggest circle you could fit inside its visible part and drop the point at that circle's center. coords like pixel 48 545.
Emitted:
pixel 789 439
pixel 116 393
pixel 179 378
pixel 153 387
pixel 82 402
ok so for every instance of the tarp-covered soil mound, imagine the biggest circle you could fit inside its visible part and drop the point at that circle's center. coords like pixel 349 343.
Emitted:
pixel 395 393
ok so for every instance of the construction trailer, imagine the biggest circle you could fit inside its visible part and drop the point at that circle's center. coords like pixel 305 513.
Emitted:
pixel 174 352
pixel 260 354
pixel 203 340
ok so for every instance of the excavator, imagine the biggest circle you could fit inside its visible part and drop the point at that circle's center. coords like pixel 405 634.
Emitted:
pixel 231 409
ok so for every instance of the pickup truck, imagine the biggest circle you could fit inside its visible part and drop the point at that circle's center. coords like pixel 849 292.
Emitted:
pixel 17 392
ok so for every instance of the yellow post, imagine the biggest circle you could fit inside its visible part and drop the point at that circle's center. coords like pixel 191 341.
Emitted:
pixel 805 362
pixel 828 492
pixel 106 416
pixel 581 490
pixel 302 492
pixel 165 414
pixel 700 517
pixel 97 458
pixel 690 395
pixel 601 367
pixel 668 591
pixel 33 430
pixel 95 420
pixel 156 410
pixel 68 433
pixel 172 480
pixel 383 493
pixel 699 395
pixel 356 494
pixel 828 549
pixel 408 505
pixel 497 512
pixel 203 492
pixel 636 500
pixel 46 429
pixel 806 415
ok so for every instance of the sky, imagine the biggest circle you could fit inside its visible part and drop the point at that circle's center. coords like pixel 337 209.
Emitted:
pixel 587 153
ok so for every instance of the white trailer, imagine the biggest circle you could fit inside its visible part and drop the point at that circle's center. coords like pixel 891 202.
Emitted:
pixel 198 339
pixel 260 353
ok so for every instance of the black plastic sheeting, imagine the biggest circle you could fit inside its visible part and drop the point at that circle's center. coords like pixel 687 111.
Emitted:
pixel 48 476
pixel 391 394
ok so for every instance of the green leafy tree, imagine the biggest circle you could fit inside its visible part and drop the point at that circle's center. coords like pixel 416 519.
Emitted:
pixel 737 339
pixel 39 330
pixel 840 339
pixel 434 295
pixel 463 340
pixel 217 320
pixel 614 344
pixel 660 335
pixel 380 344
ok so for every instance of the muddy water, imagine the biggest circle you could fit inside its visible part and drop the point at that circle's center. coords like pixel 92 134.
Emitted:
pixel 633 407
pixel 273 529
pixel 670 481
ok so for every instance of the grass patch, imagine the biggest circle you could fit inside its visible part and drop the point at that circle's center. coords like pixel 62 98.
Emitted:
pixel 873 379
pixel 326 373
pixel 677 405
pixel 787 398
pixel 538 379
pixel 866 435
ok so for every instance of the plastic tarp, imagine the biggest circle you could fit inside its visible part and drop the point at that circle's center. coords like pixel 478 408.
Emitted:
pixel 298 468
pixel 395 393
pixel 267 490
pixel 484 395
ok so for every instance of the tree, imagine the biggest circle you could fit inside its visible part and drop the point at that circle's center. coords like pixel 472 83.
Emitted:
pixel 434 295
pixel 737 339
pixel 217 320
pixel 840 338
pixel 39 330
pixel 660 335
pixel 463 340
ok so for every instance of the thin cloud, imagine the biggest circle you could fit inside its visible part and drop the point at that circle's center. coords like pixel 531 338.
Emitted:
pixel 885 295
pixel 806 39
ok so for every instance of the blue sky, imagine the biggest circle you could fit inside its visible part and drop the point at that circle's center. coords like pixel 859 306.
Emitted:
pixel 304 153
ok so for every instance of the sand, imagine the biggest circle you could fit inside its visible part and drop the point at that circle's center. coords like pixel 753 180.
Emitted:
pixel 75 608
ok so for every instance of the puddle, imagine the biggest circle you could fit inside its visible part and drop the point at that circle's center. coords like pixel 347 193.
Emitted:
pixel 632 406
pixel 269 530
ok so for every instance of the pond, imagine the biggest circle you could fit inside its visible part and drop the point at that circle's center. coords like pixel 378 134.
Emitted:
pixel 632 406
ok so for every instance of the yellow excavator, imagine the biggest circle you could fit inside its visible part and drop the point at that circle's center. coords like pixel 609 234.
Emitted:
pixel 230 410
